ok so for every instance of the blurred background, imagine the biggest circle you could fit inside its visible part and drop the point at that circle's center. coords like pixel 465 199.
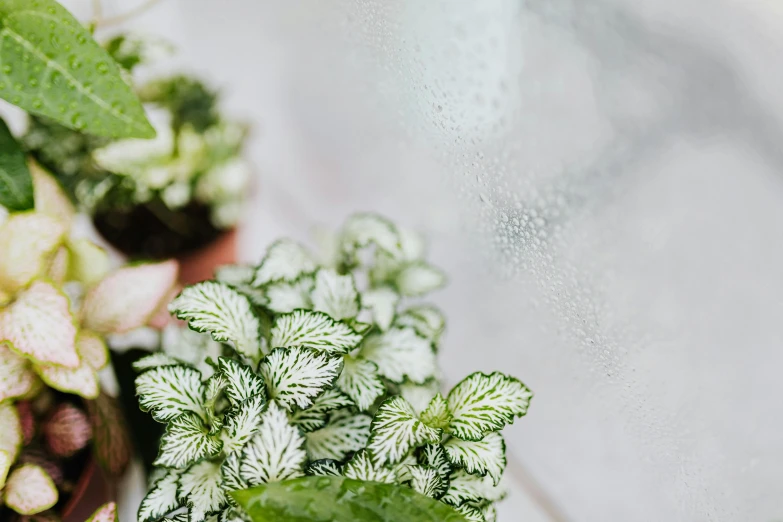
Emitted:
pixel 602 180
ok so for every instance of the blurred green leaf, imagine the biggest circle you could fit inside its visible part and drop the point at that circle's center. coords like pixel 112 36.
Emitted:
pixel 16 184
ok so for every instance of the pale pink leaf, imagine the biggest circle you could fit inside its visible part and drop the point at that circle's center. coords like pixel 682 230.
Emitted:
pixel 127 298
pixel 5 465
pixel 81 380
pixel 10 430
pixel 30 490
pixel 27 241
pixel 17 378
pixel 162 317
pixel 50 199
pixel 92 350
pixel 105 513
pixel 39 325
pixel 67 430
pixel 58 267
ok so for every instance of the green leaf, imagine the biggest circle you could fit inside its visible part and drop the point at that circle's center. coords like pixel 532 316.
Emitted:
pixel 437 414
pixel 275 452
pixel 400 352
pixel 484 457
pixel 52 66
pixel 16 183
pixel 201 489
pixel 426 481
pixel 186 440
pixel 30 490
pixel 241 423
pixel 296 376
pixel 396 429
pixel 362 467
pixel 314 417
pixel 335 294
pixel 313 330
pixel 161 498
pixel 285 260
pixel 361 382
pixel 222 311
pixel 419 278
pixel 169 391
pixel 484 403
pixel 339 438
pixel 312 499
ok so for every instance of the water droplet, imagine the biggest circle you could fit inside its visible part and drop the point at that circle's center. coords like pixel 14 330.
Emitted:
pixel 81 38
pixel 74 62
pixel 77 121
pixel 33 81
pixel 102 67
pixel 37 103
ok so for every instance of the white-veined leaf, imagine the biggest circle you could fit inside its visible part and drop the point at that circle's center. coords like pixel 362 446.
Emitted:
pixel 223 312
pixel 168 391
pixel 401 468
pixel 30 490
pixel 471 513
pixel 161 498
pixel 128 298
pixel 338 438
pixel 427 481
pixel 235 274
pixel 232 478
pixel 105 513
pixel 27 240
pixel 419 395
pixel 384 268
pixel 335 294
pixel 400 352
pixel 155 360
pixel 243 382
pixel 464 487
pixel 484 457
pixel 201 489
pixel 419 278
pixel 191 347
pixel 427 320
pixel 382 302
pixel 317 330
pixel 360 230
pixel 178 517
pixel 11 435
pixel 39 325
pixel 276 452
pixel 437 414
pixel 186 441
pixel 231 514
pixel 434 456
pixel 285 260
pixel 396 429
pixel 362 467
pixel 241 423
pixel 361 382
pixel 213 393
pixel 314 417
pixel 17 378
pixel 489 512
pixel 324 468
pixel 284 297
pixel 296 376
pixel 483 403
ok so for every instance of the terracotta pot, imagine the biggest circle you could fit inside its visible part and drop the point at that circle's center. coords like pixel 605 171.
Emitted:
pixel 201 265
pixel 92 490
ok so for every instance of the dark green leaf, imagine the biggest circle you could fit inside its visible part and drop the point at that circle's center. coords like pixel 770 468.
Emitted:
pixel 316 499
pixel 50 65
pixel 16 185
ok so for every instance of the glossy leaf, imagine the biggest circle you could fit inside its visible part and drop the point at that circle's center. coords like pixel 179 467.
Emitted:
pixel 16 183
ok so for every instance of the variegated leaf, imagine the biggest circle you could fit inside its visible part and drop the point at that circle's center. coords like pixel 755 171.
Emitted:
pixel 276 452
pixel 313 330
pixel 434 456
pixel 489 512
pixel 235 275
pixel 484 457
pixel 27 241
pixel 87 262
pixel 427 320
pixel 66 431
pixel 284 297
pixel 401 468
pixel 92 350
pixel 105 513
pixel 412 244
pixel 127 298
pixel 241 423
pixel 155 360
pixel 81 380
pixel 186 440
pixel 178 517
pixel 285 260
pixel 484 403
pixel 427 481
pixel 471 513
pixel 314 417
pixel 5 466
pixel 396 429
pixel 419 278
pixel 296 376
pixel 169 391
pixel 362 467
pixel 191 347
pixel 437 414
pixel 335 294
pixel 361 230
pixel 464 487
pixel 57 271
pixel 11 435
pixel 361 382
pixel 111 438
pixel 17 378
pixel 232 477
pixel 242 382
pixel 339 438
pixel 30 490
pixel 419 395
pixel 324 468
pixel 382 302
pixel 50 199
pixel 161 498
pixel 400 353
pixel 201 489
pixel 222 311
pixel 231 514
pixel 39 325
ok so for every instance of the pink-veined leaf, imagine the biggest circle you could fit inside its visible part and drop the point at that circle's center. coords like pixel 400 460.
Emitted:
pixel 67 430
pixel 50 199
pixel 17 378
pixel 92 350
pixel 58 266
pixel 30 490
pixel 128 298
pixel 39 325
pixel 27 240
pixel 105 513
pixel 82 380
pixel 111 441
pixel 26 421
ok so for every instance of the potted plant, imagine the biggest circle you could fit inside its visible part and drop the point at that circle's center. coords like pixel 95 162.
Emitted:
pixel 179 195
pixel 325 402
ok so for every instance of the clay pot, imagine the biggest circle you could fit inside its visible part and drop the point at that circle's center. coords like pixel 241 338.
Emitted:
pixel 201 265
pixel 92 490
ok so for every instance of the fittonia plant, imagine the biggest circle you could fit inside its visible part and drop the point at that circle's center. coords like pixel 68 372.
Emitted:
pixel 329 377
pixel 58 300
